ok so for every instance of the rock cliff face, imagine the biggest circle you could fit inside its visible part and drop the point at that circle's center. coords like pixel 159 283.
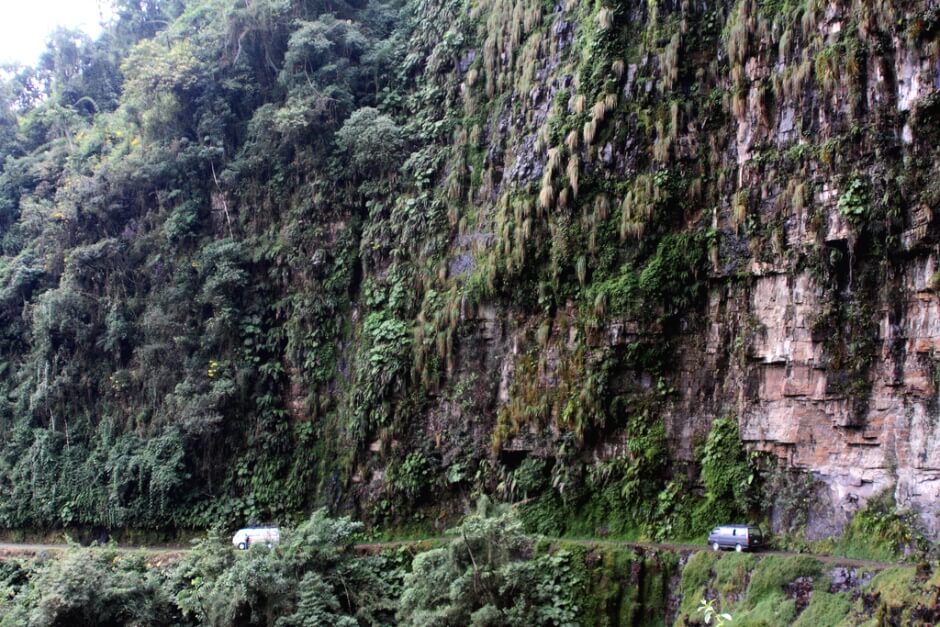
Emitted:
pixel 784 388
pixel 804 135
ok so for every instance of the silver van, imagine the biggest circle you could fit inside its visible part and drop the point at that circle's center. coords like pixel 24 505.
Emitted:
pixel 737 537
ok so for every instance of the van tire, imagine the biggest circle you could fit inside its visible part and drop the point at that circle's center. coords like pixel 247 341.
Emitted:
pixel 738 548
pixel 715 546
pixel 242 546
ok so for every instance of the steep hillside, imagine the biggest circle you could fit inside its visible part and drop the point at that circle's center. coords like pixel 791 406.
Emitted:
pixel 648 265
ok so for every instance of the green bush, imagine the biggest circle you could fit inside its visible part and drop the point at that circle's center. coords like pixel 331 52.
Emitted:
pixel 311 577
pixel 546 515
pixel 90 588
pixel 482 577
pixel 531 477
pixel 413 476
pixel 374 142
pixel 880 531
pixel 854 200
pixel 674 277
pixel 728 477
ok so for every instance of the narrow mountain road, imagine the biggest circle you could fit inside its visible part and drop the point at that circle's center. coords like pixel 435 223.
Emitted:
pixel 18 551
pixel 31 548
pixel 695 548
pixel 168 553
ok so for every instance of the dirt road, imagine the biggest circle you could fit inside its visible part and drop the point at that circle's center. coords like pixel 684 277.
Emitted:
pixel 169 553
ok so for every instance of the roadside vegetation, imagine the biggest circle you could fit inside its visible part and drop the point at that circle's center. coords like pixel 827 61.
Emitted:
pixel 770 590
pixel 487 571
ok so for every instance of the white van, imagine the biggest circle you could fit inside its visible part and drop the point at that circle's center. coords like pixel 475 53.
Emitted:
pixel 244 538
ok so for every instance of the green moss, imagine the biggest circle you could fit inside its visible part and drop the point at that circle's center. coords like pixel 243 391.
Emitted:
pixel 772 610
pixel 826 609
pixel 657 572
pixel 731 572
pixel 604 512
pixel 773 573
pixel 674 278
pixel 610 598
pixel 695 578
pixel 896 588
pixel 617 296
pixel 697 570
pixel 625 589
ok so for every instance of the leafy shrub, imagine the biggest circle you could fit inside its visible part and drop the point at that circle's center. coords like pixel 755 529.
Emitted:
pixel 91 588
pixel 531 476
pixel 673 279
pixel 182 222
pixel 881 531
pixel 618 295
pixel 374 143
pixel 649 456
pixel 483 577
pixel 311 578
pixel 545 515
pixel 222 265
pixel 728 478
pixel 853 202
pixel 413 476
pixel 384 371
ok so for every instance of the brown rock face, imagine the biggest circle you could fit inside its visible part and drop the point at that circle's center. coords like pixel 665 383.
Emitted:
pixel 782 394
pixel 790 394
pixel 819 331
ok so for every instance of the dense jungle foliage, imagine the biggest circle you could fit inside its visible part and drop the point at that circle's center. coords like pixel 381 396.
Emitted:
pixel 488 573
pixel 181 235
pixel 253 252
